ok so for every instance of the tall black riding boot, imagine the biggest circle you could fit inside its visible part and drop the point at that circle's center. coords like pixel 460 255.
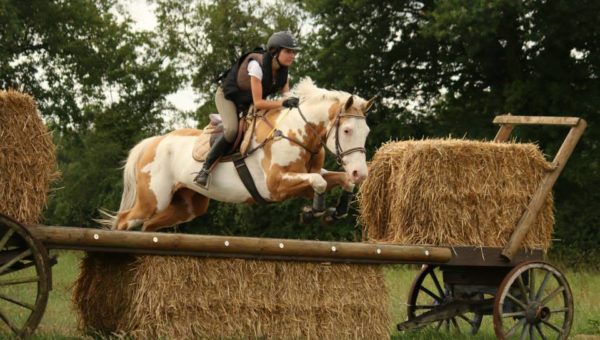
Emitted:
pixel 220 146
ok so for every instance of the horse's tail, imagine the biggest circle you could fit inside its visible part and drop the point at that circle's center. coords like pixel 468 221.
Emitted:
pixel 129 184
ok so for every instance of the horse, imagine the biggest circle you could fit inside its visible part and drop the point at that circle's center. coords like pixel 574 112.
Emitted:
pixel 286 160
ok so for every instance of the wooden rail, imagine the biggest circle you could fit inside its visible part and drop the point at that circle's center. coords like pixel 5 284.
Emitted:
pixel 536 120
pixel 227 246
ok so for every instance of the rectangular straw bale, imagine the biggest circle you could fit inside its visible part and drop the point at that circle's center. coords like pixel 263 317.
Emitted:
pixel 454 192
pixel 27 158
pixel 190 298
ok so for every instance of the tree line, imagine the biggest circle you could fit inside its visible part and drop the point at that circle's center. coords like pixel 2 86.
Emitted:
pixel 439 68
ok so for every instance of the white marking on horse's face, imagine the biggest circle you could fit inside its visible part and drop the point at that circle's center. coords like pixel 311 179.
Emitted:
pixel 353 133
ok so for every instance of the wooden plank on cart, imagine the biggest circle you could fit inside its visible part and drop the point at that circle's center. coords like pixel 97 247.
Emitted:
pixel 229 246
pixel 535 120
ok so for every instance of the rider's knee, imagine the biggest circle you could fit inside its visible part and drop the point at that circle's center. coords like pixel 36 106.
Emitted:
pixel 230 135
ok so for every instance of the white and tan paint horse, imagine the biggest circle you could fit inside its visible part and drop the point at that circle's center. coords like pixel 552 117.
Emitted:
pixel 158 176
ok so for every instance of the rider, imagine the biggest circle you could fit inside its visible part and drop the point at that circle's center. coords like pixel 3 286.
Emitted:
pixel 249 81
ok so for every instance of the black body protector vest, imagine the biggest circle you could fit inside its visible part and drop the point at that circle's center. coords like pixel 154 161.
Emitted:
pixel 236 84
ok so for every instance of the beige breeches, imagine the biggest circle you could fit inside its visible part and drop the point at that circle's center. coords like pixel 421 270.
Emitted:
pixel 228 112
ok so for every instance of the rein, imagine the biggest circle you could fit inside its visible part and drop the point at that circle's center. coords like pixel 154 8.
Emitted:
pixel 339 153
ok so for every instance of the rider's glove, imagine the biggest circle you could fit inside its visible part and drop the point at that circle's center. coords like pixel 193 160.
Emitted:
pixel 291 102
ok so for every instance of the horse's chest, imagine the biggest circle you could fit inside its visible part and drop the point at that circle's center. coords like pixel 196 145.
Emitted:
pixel 283 154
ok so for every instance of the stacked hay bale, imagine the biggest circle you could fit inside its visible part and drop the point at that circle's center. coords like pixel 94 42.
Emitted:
pixel 454 192
pixel 27 158
pixel 152 297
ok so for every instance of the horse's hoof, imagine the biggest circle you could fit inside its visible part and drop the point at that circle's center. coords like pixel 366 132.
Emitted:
pixel 306 215
pixel 329 217
pixel 317 213
pixel 339 217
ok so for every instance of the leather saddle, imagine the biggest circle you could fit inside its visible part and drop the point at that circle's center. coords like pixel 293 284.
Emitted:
pixel 213 130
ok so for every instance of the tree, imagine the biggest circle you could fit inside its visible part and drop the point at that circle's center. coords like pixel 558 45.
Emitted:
pixel 211 36
pixel 100 86
pixel 451 66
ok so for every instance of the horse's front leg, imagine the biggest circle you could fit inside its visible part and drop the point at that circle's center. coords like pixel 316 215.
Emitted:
pixel 293 184
pixel 337 178
pixel 334 179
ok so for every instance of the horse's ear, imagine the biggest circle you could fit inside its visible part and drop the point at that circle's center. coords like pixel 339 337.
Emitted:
pixel 349 103
pixel 369 104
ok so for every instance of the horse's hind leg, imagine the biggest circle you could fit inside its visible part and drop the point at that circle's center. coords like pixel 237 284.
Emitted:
pixel 134 217
pixel 144 207
pixel 185 206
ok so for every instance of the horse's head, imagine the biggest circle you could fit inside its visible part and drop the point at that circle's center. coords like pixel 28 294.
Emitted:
pixel 347 135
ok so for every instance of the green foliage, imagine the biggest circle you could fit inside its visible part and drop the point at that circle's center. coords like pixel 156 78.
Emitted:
pixel 438 67
pixel 448 67
pixel 100 86
pixel 210 36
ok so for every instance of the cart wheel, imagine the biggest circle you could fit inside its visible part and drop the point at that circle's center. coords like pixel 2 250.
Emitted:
pixel 429 291
pixel 533 301
pixel 24 279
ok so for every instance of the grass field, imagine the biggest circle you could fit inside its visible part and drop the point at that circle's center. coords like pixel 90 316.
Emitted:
pixel 60 321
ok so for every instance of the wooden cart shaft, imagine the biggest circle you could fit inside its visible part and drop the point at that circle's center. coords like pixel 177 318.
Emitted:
pixel 507 123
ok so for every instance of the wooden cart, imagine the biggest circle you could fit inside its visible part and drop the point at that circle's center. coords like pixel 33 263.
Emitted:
pixel 456 287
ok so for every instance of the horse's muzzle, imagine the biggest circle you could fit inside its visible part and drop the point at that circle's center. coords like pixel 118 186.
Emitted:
pixel 357 176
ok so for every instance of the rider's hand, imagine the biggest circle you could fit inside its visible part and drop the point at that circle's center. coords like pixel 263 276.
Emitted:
pixel 291 102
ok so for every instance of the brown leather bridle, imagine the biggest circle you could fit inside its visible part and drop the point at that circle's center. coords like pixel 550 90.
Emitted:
pixel 339 153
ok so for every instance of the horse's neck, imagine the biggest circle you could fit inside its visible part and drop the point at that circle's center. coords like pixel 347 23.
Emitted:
pixel 291 122
pixel 317 113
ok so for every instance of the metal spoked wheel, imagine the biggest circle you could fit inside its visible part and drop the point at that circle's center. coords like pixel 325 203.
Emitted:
pixel 24 280
pixel 428 291
pixel 534 301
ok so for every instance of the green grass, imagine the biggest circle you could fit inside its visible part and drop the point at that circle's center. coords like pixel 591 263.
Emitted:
pixel 60 321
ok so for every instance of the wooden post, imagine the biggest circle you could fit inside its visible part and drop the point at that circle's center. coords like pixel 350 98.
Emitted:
pixel 578 125
pixel 229 246
pixel 503 133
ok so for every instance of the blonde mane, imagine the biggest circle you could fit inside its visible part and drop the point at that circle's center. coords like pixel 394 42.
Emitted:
pixel 306 90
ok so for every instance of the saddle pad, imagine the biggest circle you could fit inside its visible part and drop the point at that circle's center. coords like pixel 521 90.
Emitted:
pixel 247 135
pixel 203 142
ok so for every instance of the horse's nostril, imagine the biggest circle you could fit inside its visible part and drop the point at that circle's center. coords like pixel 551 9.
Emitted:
pixel 355 173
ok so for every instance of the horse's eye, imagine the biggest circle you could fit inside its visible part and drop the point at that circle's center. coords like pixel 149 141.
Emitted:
pixel 346 131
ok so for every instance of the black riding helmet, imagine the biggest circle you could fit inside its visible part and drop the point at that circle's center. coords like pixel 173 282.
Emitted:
pixel 283 39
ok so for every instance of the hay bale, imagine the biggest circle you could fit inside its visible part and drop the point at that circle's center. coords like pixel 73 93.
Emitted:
pixel 27 158
pixel 190 298
pixel 453 192
pixel 91 295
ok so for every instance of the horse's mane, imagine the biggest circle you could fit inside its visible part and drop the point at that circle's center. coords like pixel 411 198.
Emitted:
pixel 307 91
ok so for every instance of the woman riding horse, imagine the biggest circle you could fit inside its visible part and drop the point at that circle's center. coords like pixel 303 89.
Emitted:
pixel 249 81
